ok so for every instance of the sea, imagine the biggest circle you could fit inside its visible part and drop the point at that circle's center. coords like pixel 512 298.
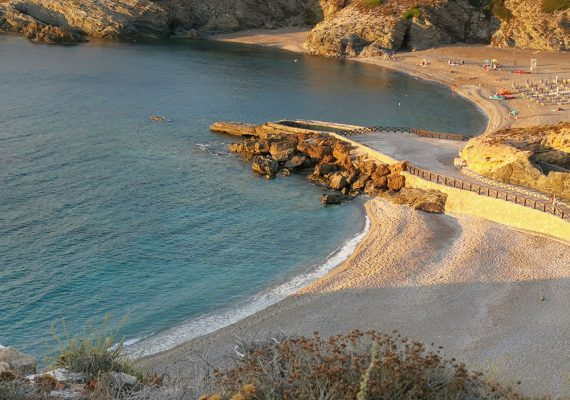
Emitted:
pixel 104 212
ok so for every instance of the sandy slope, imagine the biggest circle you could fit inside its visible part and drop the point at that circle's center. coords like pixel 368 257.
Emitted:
pixel 473 286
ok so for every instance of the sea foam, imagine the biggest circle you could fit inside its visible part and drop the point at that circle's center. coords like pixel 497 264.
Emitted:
pixel 212 322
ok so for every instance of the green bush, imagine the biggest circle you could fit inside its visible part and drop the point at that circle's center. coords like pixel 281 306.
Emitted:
pixel 549 6
pixel 500 10
pixel 413 12
pixel 370 3
pixel 93 353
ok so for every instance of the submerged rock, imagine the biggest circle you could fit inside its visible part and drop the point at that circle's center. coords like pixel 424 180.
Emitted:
pixel 330 199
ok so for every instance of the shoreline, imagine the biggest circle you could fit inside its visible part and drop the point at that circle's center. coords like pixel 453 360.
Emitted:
pixel 447 281
pixel 437 279
pixel 209 323
pixel 468 81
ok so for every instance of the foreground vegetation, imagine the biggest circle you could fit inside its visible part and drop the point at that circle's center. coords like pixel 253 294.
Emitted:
pixel 358 365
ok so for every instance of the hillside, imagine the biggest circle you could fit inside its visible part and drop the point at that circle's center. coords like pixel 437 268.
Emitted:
pixel 367 26
pixel 347 27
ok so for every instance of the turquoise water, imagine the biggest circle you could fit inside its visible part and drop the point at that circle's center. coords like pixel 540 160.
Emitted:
pixel 103 211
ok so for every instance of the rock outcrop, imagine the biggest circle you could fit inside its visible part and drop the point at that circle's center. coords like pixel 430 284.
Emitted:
pixel 351 29
pixel 531 28
pixel 533 157
pixel 354 30
pixel 74 20
pixel 14 361
pixel 328 162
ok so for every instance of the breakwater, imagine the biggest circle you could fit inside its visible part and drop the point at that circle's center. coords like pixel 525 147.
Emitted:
pixel 463 195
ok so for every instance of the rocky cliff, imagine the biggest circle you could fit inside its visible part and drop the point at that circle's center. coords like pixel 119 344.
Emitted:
pixel 347 27
pixel 530 27
pixel 73 20
pixel 363 30
pixel 366 27
pixel 533 157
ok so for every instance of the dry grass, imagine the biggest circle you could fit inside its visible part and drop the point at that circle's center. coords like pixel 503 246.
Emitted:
pixel 93 353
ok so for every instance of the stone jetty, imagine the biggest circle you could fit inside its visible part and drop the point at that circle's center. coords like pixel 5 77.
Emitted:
pixel 285 148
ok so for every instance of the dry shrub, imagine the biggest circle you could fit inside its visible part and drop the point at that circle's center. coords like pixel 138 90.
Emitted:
pixel 46 383
pixel 341 367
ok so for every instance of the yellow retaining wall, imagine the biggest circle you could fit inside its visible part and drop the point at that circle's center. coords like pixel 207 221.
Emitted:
pixel 501 211
pixel 470 203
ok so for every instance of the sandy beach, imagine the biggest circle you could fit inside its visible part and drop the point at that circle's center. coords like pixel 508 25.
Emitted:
pixel 495 298
pixel 468 80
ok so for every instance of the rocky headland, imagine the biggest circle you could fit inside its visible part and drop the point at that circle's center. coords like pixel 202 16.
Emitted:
pixel 75 20
pixel 537 157
pixel 341 28
pixel 353 28
pixel 340 169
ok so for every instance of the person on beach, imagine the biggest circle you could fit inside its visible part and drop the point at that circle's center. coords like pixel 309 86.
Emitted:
pixel 515 114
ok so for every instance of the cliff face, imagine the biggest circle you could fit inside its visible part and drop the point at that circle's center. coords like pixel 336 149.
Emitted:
pixel 232 15
pixel 353 27
pixel 532 28
pixel 348 27
pixel 72 20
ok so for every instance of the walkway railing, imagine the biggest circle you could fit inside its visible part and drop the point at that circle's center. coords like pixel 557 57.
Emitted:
pixel 483 190
pixel 411 131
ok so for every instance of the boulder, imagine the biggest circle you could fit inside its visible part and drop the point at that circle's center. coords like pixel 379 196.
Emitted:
pixel 351 176
pixel 295 162
pixel 282 150
pixel 265 165
pixel 18 362
pixel 322 169
pixel 431 201
pixel 62 375
pixel 329 199
pixel 4 366
pixel 396 182
pixel 317 151
pixel 367 167
pixel 398 167
pixel 380 182
pixel 360 183
pixel 261 147
pixel 338 181
pixel 372 188
pixel 120 379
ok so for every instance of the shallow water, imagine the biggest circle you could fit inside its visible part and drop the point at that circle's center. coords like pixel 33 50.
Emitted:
pixel 103 211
